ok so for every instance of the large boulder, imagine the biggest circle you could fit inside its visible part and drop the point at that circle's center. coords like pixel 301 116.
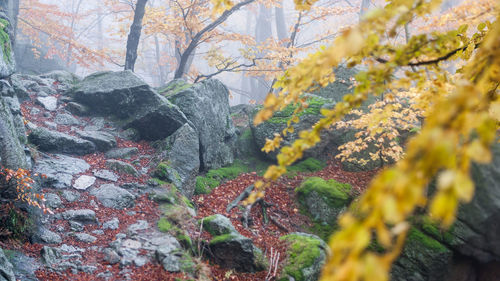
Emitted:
pixel 181 159
pixel 134 103
pixel 330 139
pixel 7 61
pixel 206 105
pixel 477 229
pixel 6 268
pixel 58 171
pixel 57 142
pixel 12 153
pixel 305 256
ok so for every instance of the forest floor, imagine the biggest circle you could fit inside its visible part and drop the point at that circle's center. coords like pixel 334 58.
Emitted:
pixel 283 212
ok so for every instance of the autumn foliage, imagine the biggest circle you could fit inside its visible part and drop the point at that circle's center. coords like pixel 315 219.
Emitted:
pixel 461 122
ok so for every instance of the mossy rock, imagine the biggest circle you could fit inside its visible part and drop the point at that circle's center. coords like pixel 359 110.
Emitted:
pixel 218 225
pixel 164 225
pixel 213 178
pixel 174 87
pixel 306 166
pixel 306 255
pixel 423 259
pixel 235 251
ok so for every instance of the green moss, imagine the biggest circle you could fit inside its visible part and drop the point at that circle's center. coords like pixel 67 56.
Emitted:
pixel 314 107
pixel 223 238
pixel 431 228
pixel 185 240
pixel 418 237
pixel 336 194
pixel 306 166
pixel 187 202
pixel 5 40
pixel 322 230
pixel 164 225
pixel 213 178
pixel 302 253
pixel 174 88
pixel 204 185
pixel 162 171
pixel 247 134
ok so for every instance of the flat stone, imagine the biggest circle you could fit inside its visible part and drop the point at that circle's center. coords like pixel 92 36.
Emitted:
pixel 125 152
pixel 52 200
pixel 81 215
pixel 70 196
pixel 132 244
pixel 84 237
pixel 106 175
pixel 57 142
pixel 112 196
pixel 84 182
pixel 59 170
pixel 121 167
pixel 49 103
pixel 66 119
pixel 112 224
pixel 102 140
pixel 139 225
pixel 43 235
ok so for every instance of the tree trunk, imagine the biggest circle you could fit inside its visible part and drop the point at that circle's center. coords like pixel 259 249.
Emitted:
pixel 135 35
pixel 187 55
pixel 263 31
pixel 280 22
pixel 158 62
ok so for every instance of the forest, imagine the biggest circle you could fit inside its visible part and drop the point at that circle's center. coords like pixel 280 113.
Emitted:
pixel 244 140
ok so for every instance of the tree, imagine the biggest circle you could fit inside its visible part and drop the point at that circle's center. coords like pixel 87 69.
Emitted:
pixel 459 127
pixel 135 35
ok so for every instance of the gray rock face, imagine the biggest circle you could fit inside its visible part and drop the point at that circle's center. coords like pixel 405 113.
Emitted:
pixel 70 196
pixel 106 175
pixel 125 96
pixel 84 237
pixel 6 268
pixel 121 167
pixel 59 170
pixel 46 236
pixel 206 105
pixel 52 141
pixel 477 228
pixel 121 153
pixel 66 119
pixel 7 61
pixel 166 254
pixel 11 150
pixel 218 225
pixel 112 224
pixel 53 200
pixel 237 252
pixel 181 163
pixel 62 76
pixel 24 266
pixel 84 182
pixel 83 216
pixel 102 140
pixel 112 196
pixel 49 103
pixel 50 256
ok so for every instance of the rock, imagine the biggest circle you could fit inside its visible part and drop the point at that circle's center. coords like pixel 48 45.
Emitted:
pixel 122 153
pixel 121 167
pixel 76 226
pixel 50 256
pixel 70 196
pixel 305 256
pixel 111 256
pixel 476 229
pixel 48 90
pixel 50 125
pixel 181 162
pixel 237 252
pixel 106 175
pixel 84 237
pixel 82 215
pixel 112 196
pixel 166 254
pixel 66 119
pixel 127 97
pixel 218 225
pixel 6 268
pixel 206 105
pixel 56 142
pixel 12 153
pixel 422 258
pixel 84 182
pixel 77 109
pixel 53 201
pixel 102 140
pixel 62 76
pixel 17 117
pixel 49 103
pixel 112 224
pixel 323 200
pixel 139 225
pixel 7 60
pixel 43 235
pixel 24 267
pixel 59 170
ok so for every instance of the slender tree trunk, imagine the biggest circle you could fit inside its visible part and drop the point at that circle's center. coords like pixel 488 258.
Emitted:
pixel 186 56
pixel 158 62
pixel 263 31
pixel 280 22
pixel 135 35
